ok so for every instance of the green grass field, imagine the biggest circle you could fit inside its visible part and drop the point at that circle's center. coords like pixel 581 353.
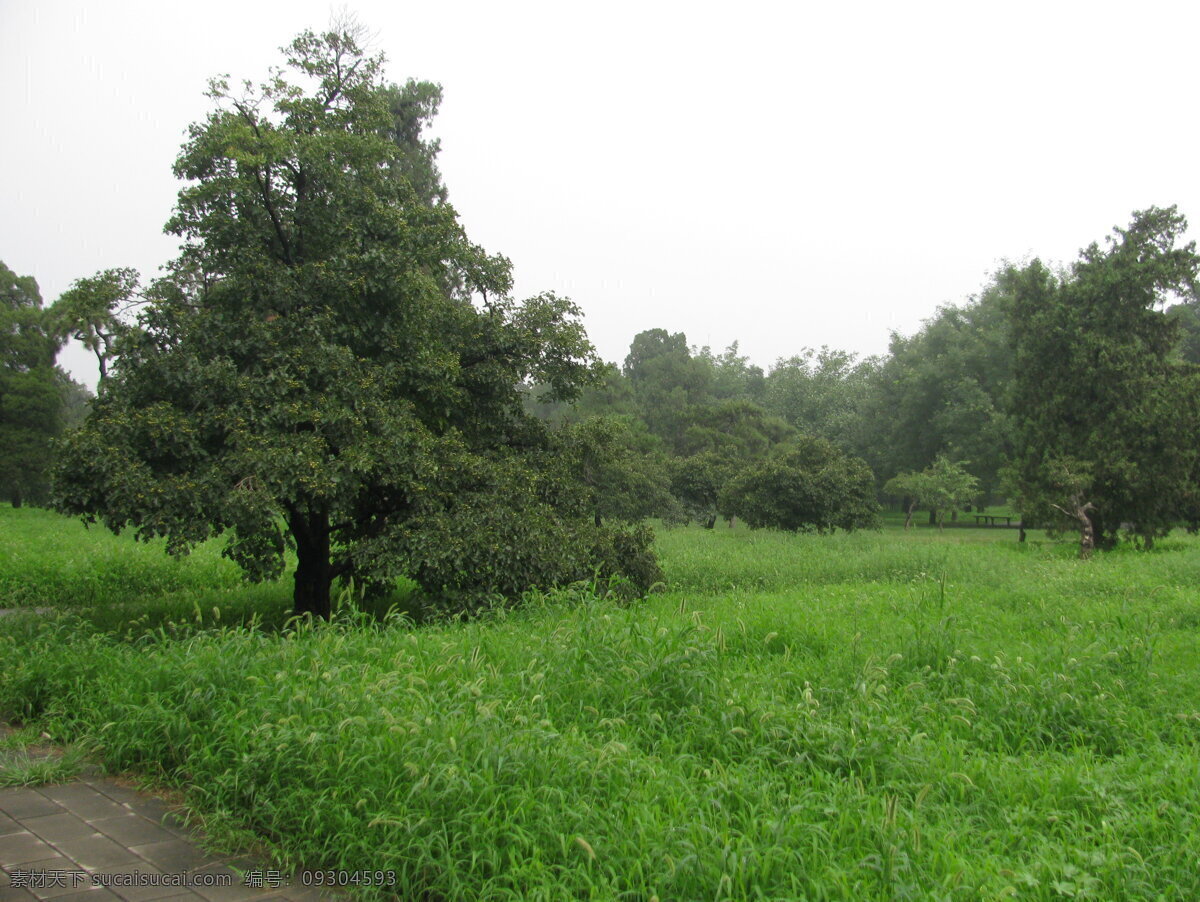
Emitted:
pixel 883 715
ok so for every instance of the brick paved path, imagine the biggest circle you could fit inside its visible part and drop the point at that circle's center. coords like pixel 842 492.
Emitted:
pixel 83 840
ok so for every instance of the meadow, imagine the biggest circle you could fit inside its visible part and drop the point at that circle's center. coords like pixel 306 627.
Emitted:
pixel 882 715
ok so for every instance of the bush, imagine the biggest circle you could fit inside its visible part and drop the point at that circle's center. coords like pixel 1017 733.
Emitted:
pixel 807 485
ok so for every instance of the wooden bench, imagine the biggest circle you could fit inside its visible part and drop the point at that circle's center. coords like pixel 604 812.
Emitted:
pixel 992 520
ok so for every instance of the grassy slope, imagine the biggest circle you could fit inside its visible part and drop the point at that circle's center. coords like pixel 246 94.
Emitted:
pixel 872 716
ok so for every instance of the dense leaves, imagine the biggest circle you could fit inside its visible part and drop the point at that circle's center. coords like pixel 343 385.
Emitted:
pixel 806 485
pixel 332 365
pixel 32 390
pixel 1107 417
pixel 944 487
pixel 91 312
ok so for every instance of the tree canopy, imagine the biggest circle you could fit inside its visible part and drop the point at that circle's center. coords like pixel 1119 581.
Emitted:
pixel 32 389
pixel 1107 425
pixel 332 365
pixel 807 484
pixel 944 486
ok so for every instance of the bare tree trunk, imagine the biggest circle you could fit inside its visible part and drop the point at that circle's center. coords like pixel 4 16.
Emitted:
pixel 1087 532
pixel 1087 537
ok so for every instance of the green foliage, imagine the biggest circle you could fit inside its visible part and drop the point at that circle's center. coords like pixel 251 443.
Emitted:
pixel 945 390
pixel 31 389
pixel 825 393
pixel 699 482
pixel 1107 420
pixel 737 430
pixel 734 377
pixel 93 310
pixel 624 479
pixel 944 486
pixel 313 374
pixel 1187 316
pixel 514 528
pixel 667 382
pixel 805 485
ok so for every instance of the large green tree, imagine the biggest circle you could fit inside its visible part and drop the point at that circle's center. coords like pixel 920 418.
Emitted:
pixel 1106 421
pixel 332 365
pixel 31 389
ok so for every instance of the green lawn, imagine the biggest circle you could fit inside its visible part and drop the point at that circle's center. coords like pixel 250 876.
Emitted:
pixel 883 715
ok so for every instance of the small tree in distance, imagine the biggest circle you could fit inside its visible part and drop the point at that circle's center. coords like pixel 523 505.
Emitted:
pixel 943 486
pixel 805 485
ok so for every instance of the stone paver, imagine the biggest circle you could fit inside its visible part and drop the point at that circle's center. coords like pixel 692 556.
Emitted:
pixel 95 840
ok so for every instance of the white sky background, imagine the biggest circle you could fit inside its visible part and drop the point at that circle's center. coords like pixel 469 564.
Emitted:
pixel 785 175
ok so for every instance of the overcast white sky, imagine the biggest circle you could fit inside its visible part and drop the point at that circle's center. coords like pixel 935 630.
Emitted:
pixel 787 175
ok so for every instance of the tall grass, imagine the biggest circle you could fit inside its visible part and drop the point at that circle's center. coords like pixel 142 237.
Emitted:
pixel 857 717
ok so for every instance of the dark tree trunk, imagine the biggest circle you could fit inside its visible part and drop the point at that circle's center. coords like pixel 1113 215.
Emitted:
pixel 15 498
pixel 314 573
pixel 933 516
pixel 599 522
pixel 1021 528
pixel 712 521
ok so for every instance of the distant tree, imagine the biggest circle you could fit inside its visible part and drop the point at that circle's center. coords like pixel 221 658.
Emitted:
pixel 944 486
pixel 667 382
pixel 824 393
pixel 413 107
pixel 1187 316
pixel 30 398
pixel 740 430
pixel 945 389
pixel 806 485
pixel 76 401
pixel 1105 413
pixel 309 375
pixel 910 489
pixel 699 481
pixel 624 482
pixel 610 395
pixel 734 377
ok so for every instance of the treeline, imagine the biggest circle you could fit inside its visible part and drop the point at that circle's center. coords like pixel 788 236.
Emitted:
pixel 38 399
pixel 1033 391
pixel 950 416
